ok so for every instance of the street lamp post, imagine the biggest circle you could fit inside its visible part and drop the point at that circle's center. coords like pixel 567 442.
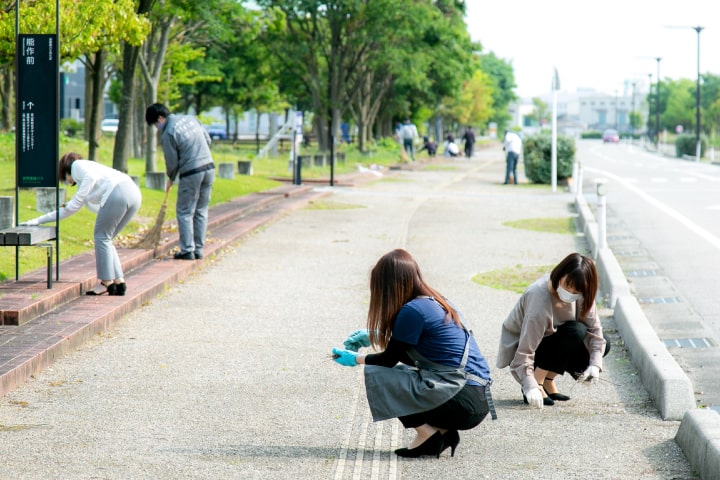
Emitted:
pixel 632 115
pixel 649 99
pixel 657 101
pixel 657 104
pixel 697 29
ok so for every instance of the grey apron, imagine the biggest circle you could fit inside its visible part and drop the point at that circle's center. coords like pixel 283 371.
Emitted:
pixel 401 390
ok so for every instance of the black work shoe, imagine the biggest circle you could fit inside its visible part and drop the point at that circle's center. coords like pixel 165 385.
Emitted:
pixel 198 256
pixel 184 256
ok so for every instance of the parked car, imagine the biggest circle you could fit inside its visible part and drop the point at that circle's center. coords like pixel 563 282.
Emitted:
pixel 109 125
pixel 610 136
pixel 217 132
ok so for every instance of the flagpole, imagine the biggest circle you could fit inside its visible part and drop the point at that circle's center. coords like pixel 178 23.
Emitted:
pixel 553 155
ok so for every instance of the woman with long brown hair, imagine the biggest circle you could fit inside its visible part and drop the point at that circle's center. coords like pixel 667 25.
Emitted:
pixel 554 328
pixel 414 325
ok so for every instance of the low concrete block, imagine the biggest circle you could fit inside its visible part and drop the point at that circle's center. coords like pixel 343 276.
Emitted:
pixel 226 170
pixel 45 199
pixel 666 383
pixel 7 212
pixel 245 167
pixel 699 438
pixel 319 160
pixel 155 180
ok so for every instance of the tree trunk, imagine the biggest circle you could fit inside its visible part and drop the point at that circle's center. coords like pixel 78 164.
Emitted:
pixel 7 97
pixel 96 68
pixel 151 66
pixel 127 98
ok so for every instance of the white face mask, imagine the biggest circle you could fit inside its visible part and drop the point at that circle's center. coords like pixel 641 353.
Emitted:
pixel 566 296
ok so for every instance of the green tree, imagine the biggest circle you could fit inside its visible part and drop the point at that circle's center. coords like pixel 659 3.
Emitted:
pixel 541 115
pixel 680 108
pixel 474 105
pixel 88 31
pixel 710 98
pixel 503 76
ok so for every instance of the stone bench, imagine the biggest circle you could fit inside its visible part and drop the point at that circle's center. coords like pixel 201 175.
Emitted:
pixel 245 167
pixel 36 236
pixel 225 170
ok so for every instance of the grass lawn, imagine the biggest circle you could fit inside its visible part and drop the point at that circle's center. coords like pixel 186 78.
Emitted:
pixel 76 232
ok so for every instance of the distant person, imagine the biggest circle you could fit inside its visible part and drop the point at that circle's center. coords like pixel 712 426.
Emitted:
pixel 417 327
pixel 345 132
pixel 554 328
pixel 431 147
pixel 451 148
pixel 408 135
pixel 114 197
pixel 512 145
pixel 188 161
pixel 469 139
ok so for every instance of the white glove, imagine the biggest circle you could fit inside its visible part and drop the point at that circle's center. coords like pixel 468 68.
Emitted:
pixel 534 398
pixel 591 374
pixel 29 223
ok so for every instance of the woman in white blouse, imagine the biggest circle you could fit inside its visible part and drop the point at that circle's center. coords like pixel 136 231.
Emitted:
pixel 114 197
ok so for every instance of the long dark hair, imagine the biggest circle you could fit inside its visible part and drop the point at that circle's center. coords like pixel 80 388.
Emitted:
pixel 581 275
pixel 395 280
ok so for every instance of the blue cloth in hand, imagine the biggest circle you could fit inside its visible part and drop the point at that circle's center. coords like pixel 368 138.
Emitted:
pixel 345 358
pixel 357 339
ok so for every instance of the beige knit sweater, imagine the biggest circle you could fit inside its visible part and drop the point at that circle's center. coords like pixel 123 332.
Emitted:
pixel 536 315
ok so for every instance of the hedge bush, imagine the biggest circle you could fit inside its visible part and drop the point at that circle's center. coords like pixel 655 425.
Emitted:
pixel 685 144
pixel 537 152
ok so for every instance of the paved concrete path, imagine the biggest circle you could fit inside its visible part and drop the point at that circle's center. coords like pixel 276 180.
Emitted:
pixel 228 374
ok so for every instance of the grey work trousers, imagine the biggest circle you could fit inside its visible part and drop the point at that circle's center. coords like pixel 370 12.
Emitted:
pixel 120 207
pixel 191 208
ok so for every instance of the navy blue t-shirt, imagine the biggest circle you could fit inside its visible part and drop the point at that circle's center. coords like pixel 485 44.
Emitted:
pixel 422 323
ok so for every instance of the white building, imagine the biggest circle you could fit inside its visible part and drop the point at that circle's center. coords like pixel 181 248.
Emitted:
pixel 585 110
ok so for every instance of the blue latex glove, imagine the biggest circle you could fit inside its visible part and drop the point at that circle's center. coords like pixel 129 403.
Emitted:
pixel 345 358
pixel 357 339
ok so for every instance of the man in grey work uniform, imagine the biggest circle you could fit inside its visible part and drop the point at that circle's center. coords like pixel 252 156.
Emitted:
pixel 186 146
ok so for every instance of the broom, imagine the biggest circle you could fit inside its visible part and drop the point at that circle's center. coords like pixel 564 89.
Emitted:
pixel 152 237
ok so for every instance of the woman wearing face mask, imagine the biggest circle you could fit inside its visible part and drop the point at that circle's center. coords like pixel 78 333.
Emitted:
pixel 114 197
pixel 554 328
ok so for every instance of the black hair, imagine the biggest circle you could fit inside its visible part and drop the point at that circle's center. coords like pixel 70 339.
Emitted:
pixel 155 111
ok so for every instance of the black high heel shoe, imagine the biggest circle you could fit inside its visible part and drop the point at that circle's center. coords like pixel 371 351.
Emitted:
pixel 451 438
pixel 547 401
pixel 118 290
pixel 432 446
pixel 108 289
pixel 555 396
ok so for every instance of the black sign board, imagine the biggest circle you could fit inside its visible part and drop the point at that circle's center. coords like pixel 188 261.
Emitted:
pixel 37 116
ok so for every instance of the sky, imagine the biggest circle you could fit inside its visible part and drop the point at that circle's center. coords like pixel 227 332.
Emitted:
pixel 604 45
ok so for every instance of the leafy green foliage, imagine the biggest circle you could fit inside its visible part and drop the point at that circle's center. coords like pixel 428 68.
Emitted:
pixel 686 144
pixel 537 153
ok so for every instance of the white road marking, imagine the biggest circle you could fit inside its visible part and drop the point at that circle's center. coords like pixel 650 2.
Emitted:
pixel 683 220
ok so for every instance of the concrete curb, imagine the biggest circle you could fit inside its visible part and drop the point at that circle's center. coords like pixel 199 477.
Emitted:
pixel 666 383
pixel 662 377
pixel 699 438
pixel 668 386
